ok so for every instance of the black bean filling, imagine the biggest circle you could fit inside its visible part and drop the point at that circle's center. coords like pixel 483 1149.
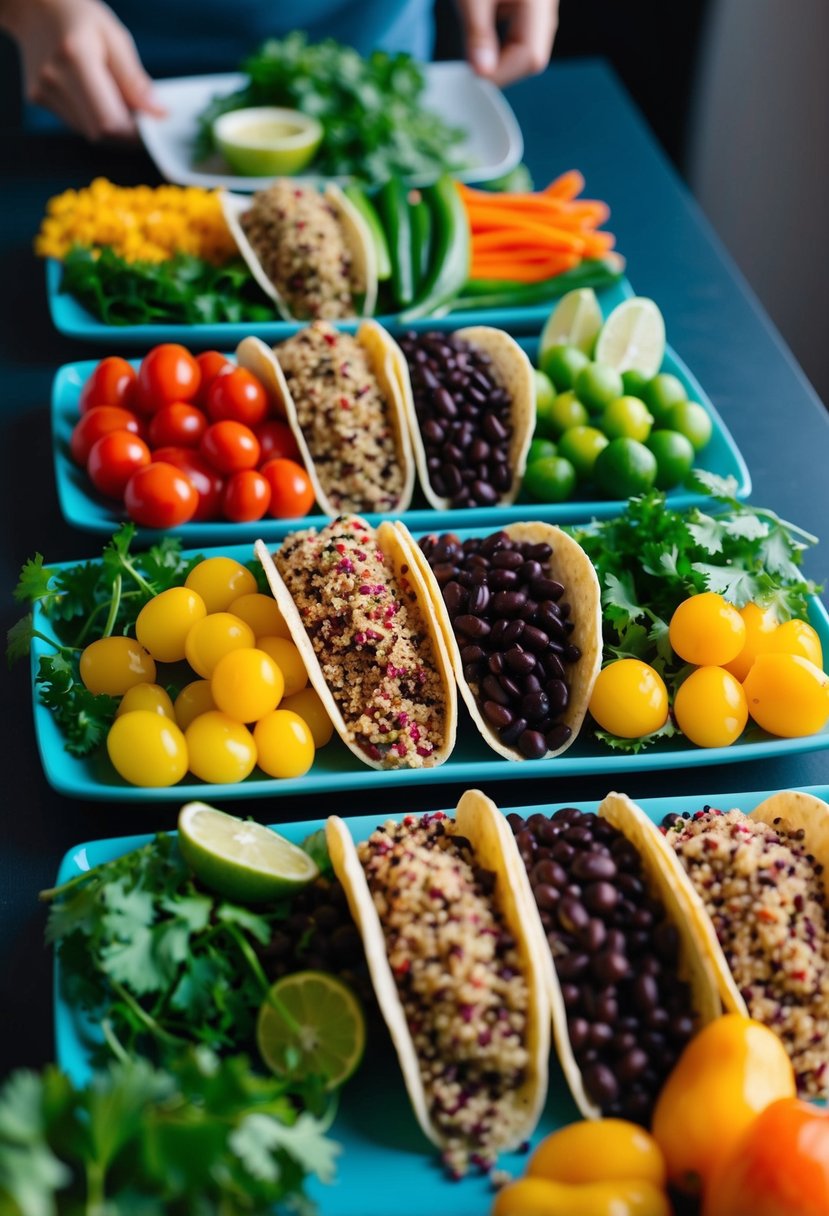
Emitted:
pixel 465 418
pixel 615 952
pixel 513 630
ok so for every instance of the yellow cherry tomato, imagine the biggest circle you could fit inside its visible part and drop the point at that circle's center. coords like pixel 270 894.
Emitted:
pixel 706 630
pixel 247 685
pixel 310 708
pixel 163 624
pixel 710 707
pixel 262 613
pixel 730 1071
pixel 599 1150
pixel 760 624
pixel 787 695
pixel 797 637
pixel 540 1197
pixel 147 749
pixel 221 751
pixel 219 581
pixel 112 665
pixel 212 638
pixel 629 699
pixel 194 699
pixel 284 744
pixel 147 696
pixel 289 661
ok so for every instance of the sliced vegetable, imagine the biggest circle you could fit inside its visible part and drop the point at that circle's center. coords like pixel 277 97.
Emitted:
pixel 393 205
pixel 449 263
pixel 357 195
pixel 513 293
pixel 421 236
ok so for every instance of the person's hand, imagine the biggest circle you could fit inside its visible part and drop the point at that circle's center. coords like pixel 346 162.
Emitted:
pixel 529 27
pixel 80 62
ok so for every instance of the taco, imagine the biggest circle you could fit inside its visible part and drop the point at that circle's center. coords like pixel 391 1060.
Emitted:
pixel 340 396
pixel 627 977
pixel 470 403
pixel 524 631
pixel 361 616
pixel 309 250
pixel 758 890
pixel 442 906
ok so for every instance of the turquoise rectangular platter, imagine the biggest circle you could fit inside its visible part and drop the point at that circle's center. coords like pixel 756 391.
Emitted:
pixel 84 509
pixel 70 317
pixel 386 1164
pixel 335 768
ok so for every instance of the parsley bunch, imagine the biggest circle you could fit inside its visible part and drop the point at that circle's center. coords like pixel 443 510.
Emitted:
pixel 84 602
pixel 205 1137
pixel 650 558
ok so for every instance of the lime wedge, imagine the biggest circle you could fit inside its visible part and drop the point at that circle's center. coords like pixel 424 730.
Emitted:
pixel 311 1024
pixel 575 321
pixel 238 858
pixel 633 337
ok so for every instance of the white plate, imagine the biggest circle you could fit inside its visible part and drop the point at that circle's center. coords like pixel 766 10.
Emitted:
pixel 493 146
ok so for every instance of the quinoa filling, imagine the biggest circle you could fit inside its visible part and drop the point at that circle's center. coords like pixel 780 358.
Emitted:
pixel 296 235
pixel 459 978
pixel 345 419
pixel 371 641
pixel 764 895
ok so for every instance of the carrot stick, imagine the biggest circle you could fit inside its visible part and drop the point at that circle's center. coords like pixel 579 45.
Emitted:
pixel 568 185
pixel 520 238
pixel 596 244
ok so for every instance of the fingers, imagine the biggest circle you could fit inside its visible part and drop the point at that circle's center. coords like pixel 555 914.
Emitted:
pixel 528 38
pixel 129 74
pixel 84 77
pixel 480 35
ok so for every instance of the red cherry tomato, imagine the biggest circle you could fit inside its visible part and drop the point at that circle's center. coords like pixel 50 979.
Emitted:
pixel 238 395
pixel 230 446
pixel 211 364
pixel 209 484
pixel 276 439
pixel 98 421
pixel 246 497
pixel 168 373
pixel 113 459
pixel 292 494
pixel 160 496
pixel 177 424
pixel 112 383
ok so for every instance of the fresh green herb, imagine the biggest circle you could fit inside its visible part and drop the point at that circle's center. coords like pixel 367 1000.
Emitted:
pixel 207 1137
pixel 84 602
pixel 650 558
pixel 370 108
pixel 184 290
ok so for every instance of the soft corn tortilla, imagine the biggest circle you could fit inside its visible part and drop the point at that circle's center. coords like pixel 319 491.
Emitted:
pixel 397 545
pixel 487 830
pixel 571 566
pixel 514 372
pixel 798 811
pixel 263 362
pixel 355 233
pixel 664 885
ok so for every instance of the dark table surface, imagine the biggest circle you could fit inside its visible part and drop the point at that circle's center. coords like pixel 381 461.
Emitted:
pixel 575 115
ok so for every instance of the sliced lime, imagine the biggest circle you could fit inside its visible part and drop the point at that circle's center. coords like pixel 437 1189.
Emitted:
pixel 238 858
pixel 575 321
pixel 311 1024
pixel 633 337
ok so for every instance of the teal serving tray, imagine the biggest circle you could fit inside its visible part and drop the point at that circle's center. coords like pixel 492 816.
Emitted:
pixel 386 1165
pixel 335 768
pixel 84 508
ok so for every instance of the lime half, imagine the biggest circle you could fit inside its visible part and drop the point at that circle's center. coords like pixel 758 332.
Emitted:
pixel 311 1024
pixel 633 337
pixel 238 858
pixel 575 321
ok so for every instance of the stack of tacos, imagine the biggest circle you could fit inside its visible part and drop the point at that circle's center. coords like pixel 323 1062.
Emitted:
pixel 443 907
pixel 360 613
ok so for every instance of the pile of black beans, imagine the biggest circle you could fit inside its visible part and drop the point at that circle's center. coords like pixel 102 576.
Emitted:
pixel 513 629
pixel 319 935
pixel 465 418
pixel 615 951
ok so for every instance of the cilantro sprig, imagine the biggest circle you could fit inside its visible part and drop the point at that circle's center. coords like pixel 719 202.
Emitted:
pixel 204 1137
pixel 650 558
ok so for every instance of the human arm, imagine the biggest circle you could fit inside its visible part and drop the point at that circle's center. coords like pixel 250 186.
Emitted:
pixel 80 62
pixel 529 27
